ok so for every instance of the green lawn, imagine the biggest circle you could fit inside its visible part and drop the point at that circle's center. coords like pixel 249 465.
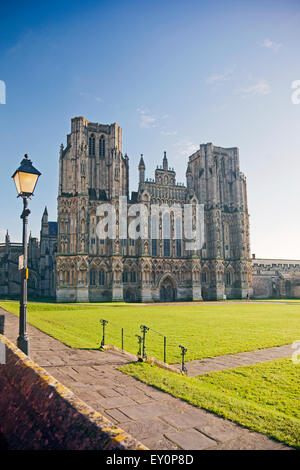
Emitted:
pixel 264 397
pixel 206 330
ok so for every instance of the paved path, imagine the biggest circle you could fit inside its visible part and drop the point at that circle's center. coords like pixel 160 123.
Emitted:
pixel 155 418
pixel 230 361
pixel 193 303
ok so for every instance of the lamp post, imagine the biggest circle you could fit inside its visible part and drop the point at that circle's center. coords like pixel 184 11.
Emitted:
pixel 25 178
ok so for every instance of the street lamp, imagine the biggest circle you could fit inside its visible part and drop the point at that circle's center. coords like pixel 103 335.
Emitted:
pixel 25 178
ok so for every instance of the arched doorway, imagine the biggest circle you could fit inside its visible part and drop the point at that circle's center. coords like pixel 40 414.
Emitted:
pixel 129 296
pixel 167 292
pixel 204 293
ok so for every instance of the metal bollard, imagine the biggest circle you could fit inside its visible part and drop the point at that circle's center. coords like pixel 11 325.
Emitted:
pixel 2 322
pixel 144 330
pixel 140 345
pixel 103 323
pixel 183 351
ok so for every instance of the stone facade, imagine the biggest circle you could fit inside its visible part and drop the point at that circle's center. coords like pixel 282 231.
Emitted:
pixel 47 261
pixel 276 278
pixel 72 264
pixel 41 263
pixel 93 171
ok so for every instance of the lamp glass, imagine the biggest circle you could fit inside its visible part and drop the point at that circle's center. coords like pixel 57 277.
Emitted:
pixel 25 182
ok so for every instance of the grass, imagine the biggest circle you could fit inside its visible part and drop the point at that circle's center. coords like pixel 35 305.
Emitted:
pixel 264 397
pixel 207 330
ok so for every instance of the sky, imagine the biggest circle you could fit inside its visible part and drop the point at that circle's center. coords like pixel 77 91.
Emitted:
pixel 173 75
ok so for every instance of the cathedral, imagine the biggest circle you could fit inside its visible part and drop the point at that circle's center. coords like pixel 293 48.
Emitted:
pixel 93 171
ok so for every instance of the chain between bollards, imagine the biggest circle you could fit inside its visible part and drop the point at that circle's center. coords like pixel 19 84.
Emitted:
pixel 142 344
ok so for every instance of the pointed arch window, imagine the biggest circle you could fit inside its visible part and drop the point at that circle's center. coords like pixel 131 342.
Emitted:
pixel 178 248
pixel 154 247
pixel 92 278
pixel 101 278
pixel 92 144
pixel 166 234
pixel 228 278
pixel 102 146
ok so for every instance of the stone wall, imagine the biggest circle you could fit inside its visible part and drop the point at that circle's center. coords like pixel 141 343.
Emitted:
pixel 37 412
pixel 262 287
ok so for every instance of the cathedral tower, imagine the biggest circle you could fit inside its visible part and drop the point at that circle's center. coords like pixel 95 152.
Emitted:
pixel 215 176
pixel 92 169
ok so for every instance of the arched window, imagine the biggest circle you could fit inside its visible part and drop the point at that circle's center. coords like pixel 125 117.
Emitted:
pixel 154 234
pixel 101 278
pixel 178 228
pixel 92 278
pixel 72 276
pixel 167 248
pixel 166 234
pixel 133 276
pixel 228 278
pixel 92 145
pixel 102 146
pixel 178 236
pixel 154 247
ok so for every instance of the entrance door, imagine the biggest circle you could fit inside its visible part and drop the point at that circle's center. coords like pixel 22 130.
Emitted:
pixel 167 291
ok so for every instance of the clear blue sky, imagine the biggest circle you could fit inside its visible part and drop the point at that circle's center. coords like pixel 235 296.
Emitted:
pixel 173 74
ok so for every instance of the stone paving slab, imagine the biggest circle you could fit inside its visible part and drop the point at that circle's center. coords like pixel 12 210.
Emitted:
pixel 251 441
pixel 182 421
pixel 147 427
pixel 160 443
pixel 153 408
pixel 219 429
pixel 157 419
pixel 190 439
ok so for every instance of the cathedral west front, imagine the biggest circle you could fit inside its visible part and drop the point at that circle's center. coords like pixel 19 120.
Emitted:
pixel 156 268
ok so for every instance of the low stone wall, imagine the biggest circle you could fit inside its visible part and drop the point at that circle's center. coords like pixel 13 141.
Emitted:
pixel 148 359
pixel 37 412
